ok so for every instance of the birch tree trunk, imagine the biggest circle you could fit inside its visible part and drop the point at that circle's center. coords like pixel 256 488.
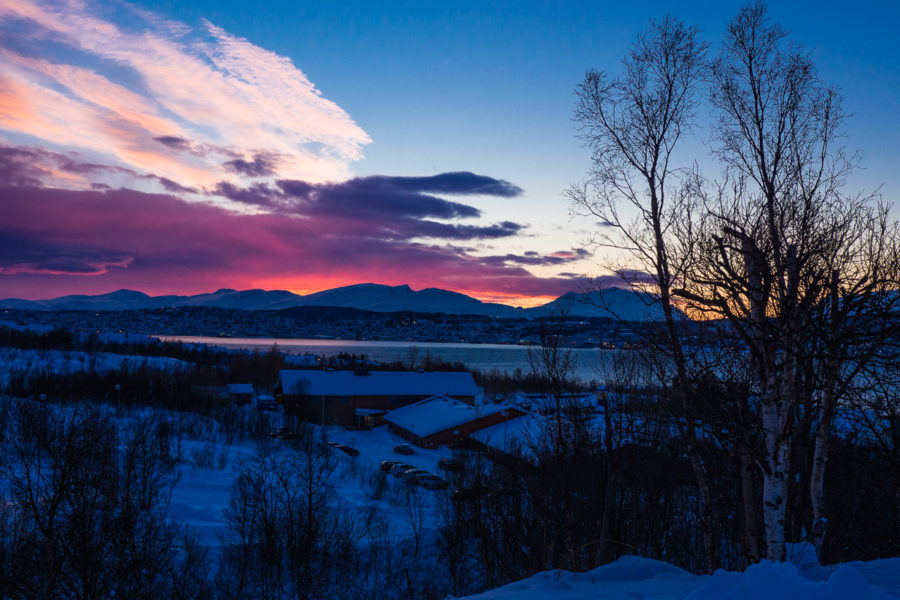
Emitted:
pixel 775 480
pixel 817 477
pixel 748 497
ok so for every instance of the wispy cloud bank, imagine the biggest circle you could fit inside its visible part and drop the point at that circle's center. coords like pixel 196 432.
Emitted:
pixel 192 106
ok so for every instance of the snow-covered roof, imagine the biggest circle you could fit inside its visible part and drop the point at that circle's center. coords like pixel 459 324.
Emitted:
pixel 240 388
pixel 439 413
pixel 377 383
pixel 517 436
pixel 301 360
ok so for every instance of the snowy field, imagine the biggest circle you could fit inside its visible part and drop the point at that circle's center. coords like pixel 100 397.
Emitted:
pixel 202 493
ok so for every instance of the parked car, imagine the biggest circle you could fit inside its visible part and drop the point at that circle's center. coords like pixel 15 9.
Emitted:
pixel 403 449
pixel 421 478
pixel 411 475
pixel 399 469
pixel 387 465
pixel 434 483
pixel 478 490
pixel 453 465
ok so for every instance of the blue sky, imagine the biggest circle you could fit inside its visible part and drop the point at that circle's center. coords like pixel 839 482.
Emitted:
pixel 482 86
pixel 488 87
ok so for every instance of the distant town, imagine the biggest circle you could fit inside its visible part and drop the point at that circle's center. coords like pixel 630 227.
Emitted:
pixel 329 322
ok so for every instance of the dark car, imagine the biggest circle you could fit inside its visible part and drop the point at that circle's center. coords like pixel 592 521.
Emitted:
pixel 403 449
pixel 478 490
pixel 387 465
pixel 400 468
pixel 413 475
pixel 433 483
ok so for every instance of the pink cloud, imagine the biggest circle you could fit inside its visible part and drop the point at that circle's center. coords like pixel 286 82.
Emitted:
pixel 222 93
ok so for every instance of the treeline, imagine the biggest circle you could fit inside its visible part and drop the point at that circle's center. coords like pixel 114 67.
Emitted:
pixel 68 339
pixel 192 380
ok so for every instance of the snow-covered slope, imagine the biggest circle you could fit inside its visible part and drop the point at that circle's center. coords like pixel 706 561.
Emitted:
pixel 118 300
pixel 612 303
pixel 32 362
pixel 634 578
pixel 244 300
pixel 383 298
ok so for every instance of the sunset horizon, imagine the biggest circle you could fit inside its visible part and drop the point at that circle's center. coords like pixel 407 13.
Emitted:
pixel 486 297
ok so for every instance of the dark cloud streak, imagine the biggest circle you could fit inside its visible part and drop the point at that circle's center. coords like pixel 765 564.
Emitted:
pixel 262 165
pixel 396 208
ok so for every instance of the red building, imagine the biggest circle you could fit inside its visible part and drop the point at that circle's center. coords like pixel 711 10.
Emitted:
pixel 443 421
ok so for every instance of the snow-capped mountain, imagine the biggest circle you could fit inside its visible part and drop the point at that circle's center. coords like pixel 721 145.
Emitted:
pixel 382 298
pixel 610 303
pixel 118 300
pixel 613 303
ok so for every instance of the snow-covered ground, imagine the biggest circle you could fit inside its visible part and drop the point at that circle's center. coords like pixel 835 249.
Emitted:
pixel 201 494
pixel 209 465
pixel 634 578
pixel 14 360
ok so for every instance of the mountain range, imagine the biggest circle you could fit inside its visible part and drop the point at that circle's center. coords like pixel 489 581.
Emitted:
pixel 609 303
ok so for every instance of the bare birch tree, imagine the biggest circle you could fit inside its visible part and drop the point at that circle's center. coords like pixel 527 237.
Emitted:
pixel 790 261
pixel 633 125
pixel 804 274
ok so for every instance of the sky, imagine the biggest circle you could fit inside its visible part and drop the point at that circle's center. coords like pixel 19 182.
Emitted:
pixel 181 147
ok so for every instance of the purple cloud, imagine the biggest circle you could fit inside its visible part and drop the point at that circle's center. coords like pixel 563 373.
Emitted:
pixel 262 165
pixel 161 244
pixel 388 207
pixel 174 142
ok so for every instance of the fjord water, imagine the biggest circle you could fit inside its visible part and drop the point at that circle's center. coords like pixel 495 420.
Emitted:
pixel 505 358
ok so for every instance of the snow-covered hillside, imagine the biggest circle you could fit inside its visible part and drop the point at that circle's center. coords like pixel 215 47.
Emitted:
pixel 13 360
pixel 635 578
pixel 609 303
